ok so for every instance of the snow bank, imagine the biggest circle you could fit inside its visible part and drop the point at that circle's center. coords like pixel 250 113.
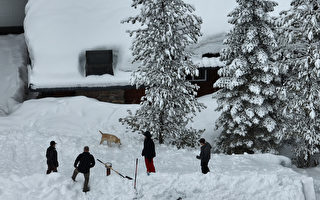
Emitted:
pixel 308 188
pixel 314 173
pixel 74 123
pixel 13 78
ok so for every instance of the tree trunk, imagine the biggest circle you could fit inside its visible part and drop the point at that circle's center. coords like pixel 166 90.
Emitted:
pixel 160 138
pixel 161 129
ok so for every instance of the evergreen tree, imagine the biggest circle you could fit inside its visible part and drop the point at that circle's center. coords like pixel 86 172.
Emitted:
pixel 301 58
pixel 249 81
pixel 169 104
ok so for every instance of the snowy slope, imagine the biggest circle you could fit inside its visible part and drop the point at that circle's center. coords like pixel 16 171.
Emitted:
pixel 74 123
pixel 13 60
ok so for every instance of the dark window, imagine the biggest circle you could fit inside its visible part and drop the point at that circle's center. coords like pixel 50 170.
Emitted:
pixel 211 55
pixel 99 62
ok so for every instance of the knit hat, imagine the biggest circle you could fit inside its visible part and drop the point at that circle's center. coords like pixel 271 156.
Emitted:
pixel 202 140
pixel 147 134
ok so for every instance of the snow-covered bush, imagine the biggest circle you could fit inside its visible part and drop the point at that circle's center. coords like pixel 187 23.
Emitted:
pixel 300 50
pixel 167 28
pixel 249 81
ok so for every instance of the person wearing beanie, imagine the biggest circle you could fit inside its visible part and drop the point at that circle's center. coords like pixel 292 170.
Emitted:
pixel 204 155
pixel 82 164
pixel 148 152
pixel 52 158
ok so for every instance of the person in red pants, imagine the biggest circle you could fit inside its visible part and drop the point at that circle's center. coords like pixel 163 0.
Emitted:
pixel 148 152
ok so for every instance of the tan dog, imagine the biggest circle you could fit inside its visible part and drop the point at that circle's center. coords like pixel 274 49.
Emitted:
pixel 109 138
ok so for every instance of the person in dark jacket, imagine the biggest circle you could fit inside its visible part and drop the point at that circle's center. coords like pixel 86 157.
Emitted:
pixel 204 155
pixel 52 158
pixel 148 152
pixel 86 161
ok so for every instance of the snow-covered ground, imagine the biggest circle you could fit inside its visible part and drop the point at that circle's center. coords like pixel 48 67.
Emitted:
pixel 13 77
pixel 74 123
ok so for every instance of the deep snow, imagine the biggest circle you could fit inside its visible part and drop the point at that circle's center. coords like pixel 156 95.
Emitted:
pixel 74 123
pixel 13 76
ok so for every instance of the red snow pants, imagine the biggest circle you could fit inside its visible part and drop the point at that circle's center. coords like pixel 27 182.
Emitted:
pixel 149 165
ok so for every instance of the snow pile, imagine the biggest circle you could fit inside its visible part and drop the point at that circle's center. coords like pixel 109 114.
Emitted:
pixel 13 61
pixel 74 123
pixel 209 62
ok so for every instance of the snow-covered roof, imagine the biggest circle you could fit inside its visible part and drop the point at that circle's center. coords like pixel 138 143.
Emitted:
pixel 59 32
pixel 208 62
pixel 209 44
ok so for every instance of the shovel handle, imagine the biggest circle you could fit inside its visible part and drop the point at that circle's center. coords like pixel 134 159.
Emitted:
pixel 115 170
pixel 100 161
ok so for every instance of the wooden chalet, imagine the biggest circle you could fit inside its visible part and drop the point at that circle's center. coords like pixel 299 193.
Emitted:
pixel 208 75
pixel 74 60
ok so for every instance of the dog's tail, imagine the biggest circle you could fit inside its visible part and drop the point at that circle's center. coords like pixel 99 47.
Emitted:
pixel 101 132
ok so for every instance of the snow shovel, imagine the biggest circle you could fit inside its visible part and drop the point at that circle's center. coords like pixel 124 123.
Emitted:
pixel 135 176
pixel 108 166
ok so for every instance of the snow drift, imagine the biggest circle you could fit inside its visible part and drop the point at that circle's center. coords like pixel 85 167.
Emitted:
pixel 74 123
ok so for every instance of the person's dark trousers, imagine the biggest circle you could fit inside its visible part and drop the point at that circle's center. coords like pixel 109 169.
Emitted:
pixel 86 179
pixel 51 169
pixel 204 167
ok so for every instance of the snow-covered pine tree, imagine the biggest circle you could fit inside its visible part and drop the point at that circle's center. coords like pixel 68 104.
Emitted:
pixel 169 104
pixel 249 81
pixel 300 30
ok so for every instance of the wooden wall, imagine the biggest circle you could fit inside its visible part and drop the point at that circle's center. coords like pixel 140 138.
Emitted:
pixel 11 30
pixel 112 95
pixel 133 95
pixel 129 95
pixel 206 87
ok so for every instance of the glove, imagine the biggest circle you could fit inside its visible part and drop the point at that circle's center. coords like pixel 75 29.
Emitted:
pixel 198 157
